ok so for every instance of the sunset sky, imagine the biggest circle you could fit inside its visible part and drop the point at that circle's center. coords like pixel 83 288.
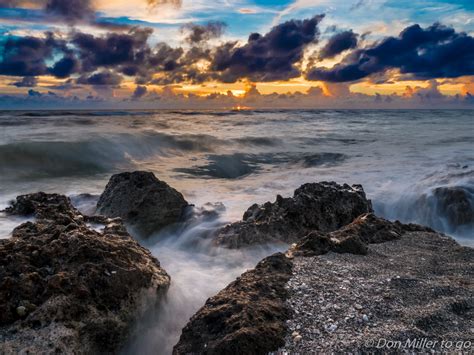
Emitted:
pixel 172 53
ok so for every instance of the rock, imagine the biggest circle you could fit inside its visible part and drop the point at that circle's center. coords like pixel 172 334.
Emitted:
pixel 247 317
pixel 411 281
pixel 67 288
pixel 21 311
pixel 142 201
pixel 43 206
pixel 352 238
pixel 447 208
pixel 324 207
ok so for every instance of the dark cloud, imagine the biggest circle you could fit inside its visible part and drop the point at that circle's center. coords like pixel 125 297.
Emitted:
pixel 34 93
pixel 338 43
pixel 127 53
pixel 139 92
pixel 104 78
pixel 201 33
pixel 26 82
pixel 269 57
pixel 25 56
pixel 30 56
pixel 435 52
pixel 64 67
pixel 71 10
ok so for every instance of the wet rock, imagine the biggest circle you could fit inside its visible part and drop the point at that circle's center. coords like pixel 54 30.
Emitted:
pixel 323 207
pixel 247 317
pixel 456 203
pixel 142 201
pixel 67 288
pixel 447 208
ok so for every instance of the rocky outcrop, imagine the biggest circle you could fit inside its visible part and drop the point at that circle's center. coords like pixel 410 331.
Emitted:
pixel 145 203
pixel 66 288
pixel 370 280
pixel 247 317
pixel 353 238
pixel 448 208
pixel 324 207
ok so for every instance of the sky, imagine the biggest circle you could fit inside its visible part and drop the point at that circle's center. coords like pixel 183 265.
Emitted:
pixel 236 54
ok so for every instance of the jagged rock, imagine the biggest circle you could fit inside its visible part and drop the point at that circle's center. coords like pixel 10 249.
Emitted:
pixel 324 206
pixel 42 206
pixel 352 238
pixel 142 201
pixel 247 317
pixel 67 288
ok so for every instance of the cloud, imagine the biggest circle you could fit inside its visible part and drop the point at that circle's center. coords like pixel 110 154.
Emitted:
pixel 338 43
pixel 34 93
pixel 104 78
pixel 26 56
pixel 269 57
pixel 156 3
pixel 71 10
pixel 26 82
pixel 64 67
pixel 201 33
pixel 435 52
pixel 139 92
pixel 247 11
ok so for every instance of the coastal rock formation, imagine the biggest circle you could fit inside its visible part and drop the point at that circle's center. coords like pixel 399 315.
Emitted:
pixel 247 317
pixel 351 290
pixel 145 203
pixel 67 288
pixel 354 237
pixel 455 204
pixel 324 206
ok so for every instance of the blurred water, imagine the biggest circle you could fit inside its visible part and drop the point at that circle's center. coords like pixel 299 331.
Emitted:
pixel 242 157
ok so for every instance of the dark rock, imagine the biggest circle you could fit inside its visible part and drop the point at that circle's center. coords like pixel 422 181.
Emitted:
pixel 247 317
pixel 142 201
pixel 324 207
pixel 65 284
pixel 352 238
pixel 42 206
pixel 454 205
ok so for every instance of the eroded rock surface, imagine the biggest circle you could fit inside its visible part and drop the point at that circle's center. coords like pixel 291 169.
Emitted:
pixel 324 207
pixel 349 291
pixel 142 201
pixel 247 317
pixel 67 288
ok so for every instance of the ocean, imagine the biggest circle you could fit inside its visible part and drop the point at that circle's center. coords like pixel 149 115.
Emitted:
pixel 228 160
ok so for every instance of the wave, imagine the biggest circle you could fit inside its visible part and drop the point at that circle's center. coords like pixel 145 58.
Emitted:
pixel 238 165
pixel 98 113
pixel 104 153
pixel 442 200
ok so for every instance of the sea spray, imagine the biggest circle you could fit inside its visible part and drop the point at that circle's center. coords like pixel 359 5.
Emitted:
pixel 198 270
